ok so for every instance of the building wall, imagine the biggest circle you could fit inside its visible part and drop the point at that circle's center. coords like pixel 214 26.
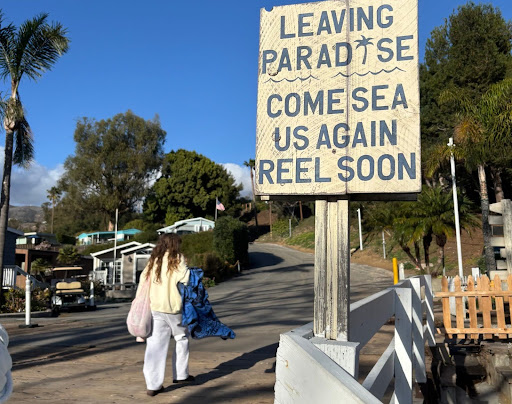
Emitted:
pixel 10 248
pixel 128 268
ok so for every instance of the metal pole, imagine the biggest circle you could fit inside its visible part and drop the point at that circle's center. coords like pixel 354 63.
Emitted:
pixel 290 226
pixel 383 244
pixel 91 294
pixel 115 253
pixel 270 208
pixel 28 287
pixel 455 210
pixel 395 271
pixel 360 231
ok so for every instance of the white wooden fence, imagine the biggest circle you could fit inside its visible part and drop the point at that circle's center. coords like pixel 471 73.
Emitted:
pixel 305 374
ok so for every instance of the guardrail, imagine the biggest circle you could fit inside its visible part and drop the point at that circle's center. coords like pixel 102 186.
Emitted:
pixel 11 280
pixel 410 302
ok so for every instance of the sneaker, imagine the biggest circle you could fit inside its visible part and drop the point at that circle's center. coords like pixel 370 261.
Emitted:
pixel 187 380
pixel 153 393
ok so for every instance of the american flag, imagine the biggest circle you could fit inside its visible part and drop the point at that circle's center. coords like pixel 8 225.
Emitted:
pixel 219 205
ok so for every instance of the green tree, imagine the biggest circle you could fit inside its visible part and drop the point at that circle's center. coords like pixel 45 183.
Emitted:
pixel 188 187
pixel 68 255
pixel 39 265
pixel 27 51
pixel 54 195
pixel 482 135
pixel 114 162
pixel 470 52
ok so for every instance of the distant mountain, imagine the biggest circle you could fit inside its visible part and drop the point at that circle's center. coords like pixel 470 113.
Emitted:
pixel 29 217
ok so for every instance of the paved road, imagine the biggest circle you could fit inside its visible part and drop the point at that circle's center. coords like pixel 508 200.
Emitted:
pixel 90 358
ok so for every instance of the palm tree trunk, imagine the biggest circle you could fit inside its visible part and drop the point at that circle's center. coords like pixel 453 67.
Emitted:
pixel 4 203
pixel 417 252
pixel 413 259
pixel 427 240
pixel 490 262
pixel 441 257
pixel 498 183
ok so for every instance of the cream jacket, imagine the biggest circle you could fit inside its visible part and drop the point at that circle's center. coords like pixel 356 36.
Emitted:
pixel 164 295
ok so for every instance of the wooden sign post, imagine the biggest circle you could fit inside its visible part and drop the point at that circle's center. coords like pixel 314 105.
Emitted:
pixel 338 118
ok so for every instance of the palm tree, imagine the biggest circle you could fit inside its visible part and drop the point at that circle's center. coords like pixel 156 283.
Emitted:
pixel 433 216
pixel 28 51
pixel 54 195
pixel 364 42
pixel 251 163
pixel 482 135
pixel 392 218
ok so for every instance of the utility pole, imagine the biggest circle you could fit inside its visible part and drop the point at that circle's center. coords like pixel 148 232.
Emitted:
pixel 455 210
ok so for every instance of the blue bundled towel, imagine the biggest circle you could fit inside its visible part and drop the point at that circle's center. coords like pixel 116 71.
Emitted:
pixel 198 315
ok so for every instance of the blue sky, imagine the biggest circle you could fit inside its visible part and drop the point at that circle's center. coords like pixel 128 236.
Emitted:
pixel 192 63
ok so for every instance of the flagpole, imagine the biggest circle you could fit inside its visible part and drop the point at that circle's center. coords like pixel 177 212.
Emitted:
pixel 216 202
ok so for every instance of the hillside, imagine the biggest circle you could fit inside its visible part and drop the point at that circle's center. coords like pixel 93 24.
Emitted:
pixel 27 217
pixel 303 238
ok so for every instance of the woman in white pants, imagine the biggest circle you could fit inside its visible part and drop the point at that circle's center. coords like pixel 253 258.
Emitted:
pixel 166 267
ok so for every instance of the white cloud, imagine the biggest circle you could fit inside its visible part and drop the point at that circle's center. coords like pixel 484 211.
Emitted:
pixel 29 187
pixel 242 176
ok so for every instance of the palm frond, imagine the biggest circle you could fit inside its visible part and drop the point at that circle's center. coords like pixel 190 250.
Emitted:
pixel 7 41
pixel 24 144
pixel 39 45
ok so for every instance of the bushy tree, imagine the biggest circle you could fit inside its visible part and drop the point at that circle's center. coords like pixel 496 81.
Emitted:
pixel 469 53
pixel 189 186
pixel 114 162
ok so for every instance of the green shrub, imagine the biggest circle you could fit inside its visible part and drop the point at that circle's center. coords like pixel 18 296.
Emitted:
pixel 197 243
pixel 65 239
pixel 231 240
pixel 281 228
pixel 305 240
pixel 15 300
pixel 147 237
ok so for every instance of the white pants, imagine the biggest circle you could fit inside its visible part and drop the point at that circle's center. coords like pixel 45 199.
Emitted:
pixel 165 325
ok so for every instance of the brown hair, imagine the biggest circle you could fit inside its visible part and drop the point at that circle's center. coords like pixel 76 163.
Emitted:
pixel 167 243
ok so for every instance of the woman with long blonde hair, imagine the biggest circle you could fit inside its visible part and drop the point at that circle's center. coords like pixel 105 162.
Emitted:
pixel 166 267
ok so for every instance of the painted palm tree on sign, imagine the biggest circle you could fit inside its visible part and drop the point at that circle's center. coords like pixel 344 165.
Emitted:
pixel 27 51
pixel 364 42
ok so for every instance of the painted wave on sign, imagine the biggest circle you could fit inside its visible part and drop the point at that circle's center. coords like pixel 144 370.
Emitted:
pixel 292 80
pixel 368 72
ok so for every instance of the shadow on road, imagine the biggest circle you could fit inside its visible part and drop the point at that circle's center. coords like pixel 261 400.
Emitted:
pixel 245 361
pixel 263 259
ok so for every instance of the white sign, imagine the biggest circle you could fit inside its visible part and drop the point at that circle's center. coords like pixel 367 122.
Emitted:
pixel 338 99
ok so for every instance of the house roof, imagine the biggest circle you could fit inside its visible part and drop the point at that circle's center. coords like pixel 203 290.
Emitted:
pixel 15 231
pixel 118 248
pixel 138 247
pixel 180 223
pixel 129 232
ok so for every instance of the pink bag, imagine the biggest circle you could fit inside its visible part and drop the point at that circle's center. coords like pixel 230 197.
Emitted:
pixel 139 317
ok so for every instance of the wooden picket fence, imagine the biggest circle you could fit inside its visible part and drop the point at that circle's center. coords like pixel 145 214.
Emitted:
pixel 482 310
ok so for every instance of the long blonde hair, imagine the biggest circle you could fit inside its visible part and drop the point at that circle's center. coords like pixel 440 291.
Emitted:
pixel 167 243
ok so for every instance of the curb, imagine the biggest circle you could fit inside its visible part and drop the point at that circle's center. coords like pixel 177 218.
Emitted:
pixel 34 314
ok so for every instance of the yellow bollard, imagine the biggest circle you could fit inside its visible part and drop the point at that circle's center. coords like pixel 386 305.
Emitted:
pixel 395 271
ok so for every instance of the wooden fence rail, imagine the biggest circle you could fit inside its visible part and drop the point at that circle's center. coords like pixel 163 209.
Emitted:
pixel 481 310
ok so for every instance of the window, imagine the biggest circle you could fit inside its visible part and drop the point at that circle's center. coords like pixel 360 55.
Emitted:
pixel 117 271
